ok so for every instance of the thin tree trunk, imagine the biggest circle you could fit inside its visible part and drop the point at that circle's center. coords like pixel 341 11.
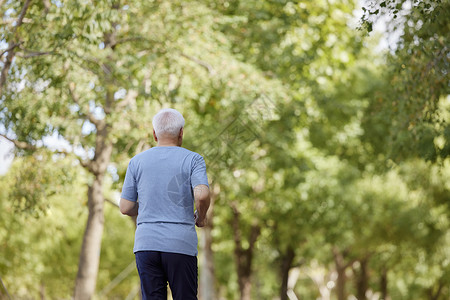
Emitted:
pixel 42 291
pixel 207 273
pixel 90 250
pixel 244 257
pixel 207 290
pixel 384 285
pixel 3 287
pixel 435 296
pixel 92 239
pixel 286 265
pixel 340 283
pixel 341 267
pixel 246 288
pixel 362 280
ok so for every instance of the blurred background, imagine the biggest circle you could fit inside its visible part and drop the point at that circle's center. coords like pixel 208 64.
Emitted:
pixel 324 125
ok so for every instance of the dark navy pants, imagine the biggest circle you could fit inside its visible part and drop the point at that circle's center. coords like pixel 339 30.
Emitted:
pixel 157 268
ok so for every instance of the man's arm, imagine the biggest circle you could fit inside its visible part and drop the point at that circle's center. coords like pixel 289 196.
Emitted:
pixel 202 201
pixel 129 208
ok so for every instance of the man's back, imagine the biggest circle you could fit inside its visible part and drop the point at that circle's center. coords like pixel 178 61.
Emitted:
pixel 163 178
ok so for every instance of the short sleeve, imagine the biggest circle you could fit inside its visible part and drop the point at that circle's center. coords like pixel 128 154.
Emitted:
pixel 198 173
pixel 129 189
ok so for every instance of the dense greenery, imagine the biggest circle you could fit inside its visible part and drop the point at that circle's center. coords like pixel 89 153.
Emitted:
pixel 329 162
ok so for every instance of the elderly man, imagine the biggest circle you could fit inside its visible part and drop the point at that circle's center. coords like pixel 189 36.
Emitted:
pixel 161 186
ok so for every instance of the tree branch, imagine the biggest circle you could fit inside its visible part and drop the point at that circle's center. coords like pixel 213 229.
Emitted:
pixel 11 53
pixel 4 287
pixel 130 39
pixel 255 231
pixel 205 65
pixel 34 53
pixel 47 6
pixel 26 146
pixel 88 114
pixel 130 98
pixel 13 20
pixel 10 48
pixel 111 202
pixel 22 14
pixel 85 62
pixel 236 230
pixel 88 165
pixel 19 144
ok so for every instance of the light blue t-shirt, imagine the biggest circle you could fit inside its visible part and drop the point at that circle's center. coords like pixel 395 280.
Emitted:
pixel 163 179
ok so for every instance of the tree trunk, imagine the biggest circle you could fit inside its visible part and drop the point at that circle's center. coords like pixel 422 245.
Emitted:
pixel 92 239
pixel 90 250
pixel 435 295
pixel 207 273
pixel 286 265
pixel 383 285
pixel 3 287
pixel 341 267
pixel 42 291
pixel 340 284
pixel 246 288
pixel 207 291
pixel 244 257
pixel 362 279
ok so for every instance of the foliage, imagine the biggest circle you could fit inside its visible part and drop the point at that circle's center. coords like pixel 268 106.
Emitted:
pixel 412 107
pixel 40 247
pixel 313 142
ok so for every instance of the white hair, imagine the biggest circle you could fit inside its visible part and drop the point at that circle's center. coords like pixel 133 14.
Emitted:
pixel 168 121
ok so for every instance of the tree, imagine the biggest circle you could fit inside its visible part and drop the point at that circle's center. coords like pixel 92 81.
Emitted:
pixel 295 118
pixel 295 43
pixel 87 90
pixel 98 68
pixel 412 104
pixel 40 243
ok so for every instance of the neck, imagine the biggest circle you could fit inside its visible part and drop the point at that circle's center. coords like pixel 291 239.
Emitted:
pixel 167 144
pixel 168 140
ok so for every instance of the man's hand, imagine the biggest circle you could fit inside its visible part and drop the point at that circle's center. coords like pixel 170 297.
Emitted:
pixel 198 222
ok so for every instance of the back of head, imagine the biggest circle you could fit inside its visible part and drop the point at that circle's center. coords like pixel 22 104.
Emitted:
pixel 168 121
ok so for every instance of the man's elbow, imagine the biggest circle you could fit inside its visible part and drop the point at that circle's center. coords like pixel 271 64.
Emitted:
pixel 127 208
pixel 201 192
pixel 204 198
pixel 124 211
pixel 130 213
